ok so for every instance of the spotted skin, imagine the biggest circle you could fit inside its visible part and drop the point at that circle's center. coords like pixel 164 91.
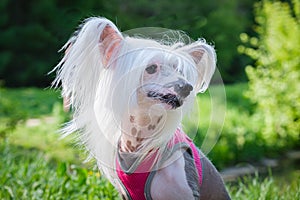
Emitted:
pixel 139 127
pixel 133 131
pixel 131 119
pixel 159 119
pixel 151 127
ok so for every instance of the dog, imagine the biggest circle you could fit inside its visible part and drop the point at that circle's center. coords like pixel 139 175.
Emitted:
pixel 128 96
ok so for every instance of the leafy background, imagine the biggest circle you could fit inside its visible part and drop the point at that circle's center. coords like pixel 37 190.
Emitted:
pixel 33 30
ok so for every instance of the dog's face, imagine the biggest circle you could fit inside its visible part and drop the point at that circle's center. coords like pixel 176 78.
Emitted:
pixel 165 84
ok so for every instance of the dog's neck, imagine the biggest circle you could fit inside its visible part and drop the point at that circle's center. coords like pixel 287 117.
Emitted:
pixel 138 126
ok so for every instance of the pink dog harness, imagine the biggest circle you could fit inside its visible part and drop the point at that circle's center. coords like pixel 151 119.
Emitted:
pixel 136 184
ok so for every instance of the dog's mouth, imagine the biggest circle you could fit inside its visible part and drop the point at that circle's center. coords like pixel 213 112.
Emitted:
pixel 170 99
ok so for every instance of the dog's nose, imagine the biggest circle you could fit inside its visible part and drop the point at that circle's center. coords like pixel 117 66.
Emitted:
pixel 183 88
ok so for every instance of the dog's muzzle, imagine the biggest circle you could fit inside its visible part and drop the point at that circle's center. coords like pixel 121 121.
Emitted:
pixel 181 90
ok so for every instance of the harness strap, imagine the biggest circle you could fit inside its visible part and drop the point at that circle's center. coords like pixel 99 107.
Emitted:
pixel 137 184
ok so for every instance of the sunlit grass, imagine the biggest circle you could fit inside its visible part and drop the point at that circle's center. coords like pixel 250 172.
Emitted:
pixel 30 174
pixel 268 188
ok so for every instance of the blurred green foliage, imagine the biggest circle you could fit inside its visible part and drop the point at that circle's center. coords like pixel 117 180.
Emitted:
pixel 237 139
pixel 32 31
pixel 274 81
pixel 10 115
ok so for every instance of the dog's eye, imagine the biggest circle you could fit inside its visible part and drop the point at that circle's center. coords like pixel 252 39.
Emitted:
pixel 151 69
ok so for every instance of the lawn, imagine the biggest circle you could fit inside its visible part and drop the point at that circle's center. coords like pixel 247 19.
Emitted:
pixel 36 164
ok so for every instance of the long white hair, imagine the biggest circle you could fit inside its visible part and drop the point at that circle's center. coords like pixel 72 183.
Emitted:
pixel 100 73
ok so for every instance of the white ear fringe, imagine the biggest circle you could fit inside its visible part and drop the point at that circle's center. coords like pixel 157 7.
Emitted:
pixel 79 72
pixel 204 56
pixel 206 66
pixel 80 68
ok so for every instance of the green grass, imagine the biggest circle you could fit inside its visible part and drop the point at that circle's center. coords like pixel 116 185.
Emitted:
pixel 30 174
pixel 36 164
pixel 268 188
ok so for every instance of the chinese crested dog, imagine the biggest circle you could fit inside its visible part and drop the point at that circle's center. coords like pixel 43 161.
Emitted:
pixel 129 95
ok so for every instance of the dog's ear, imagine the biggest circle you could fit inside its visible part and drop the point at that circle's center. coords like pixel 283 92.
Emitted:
pixel 109 42
pixel 89 50
pixel 204 57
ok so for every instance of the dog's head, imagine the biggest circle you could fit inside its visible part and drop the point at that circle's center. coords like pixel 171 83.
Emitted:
pixel 163 74
pixel 107 73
